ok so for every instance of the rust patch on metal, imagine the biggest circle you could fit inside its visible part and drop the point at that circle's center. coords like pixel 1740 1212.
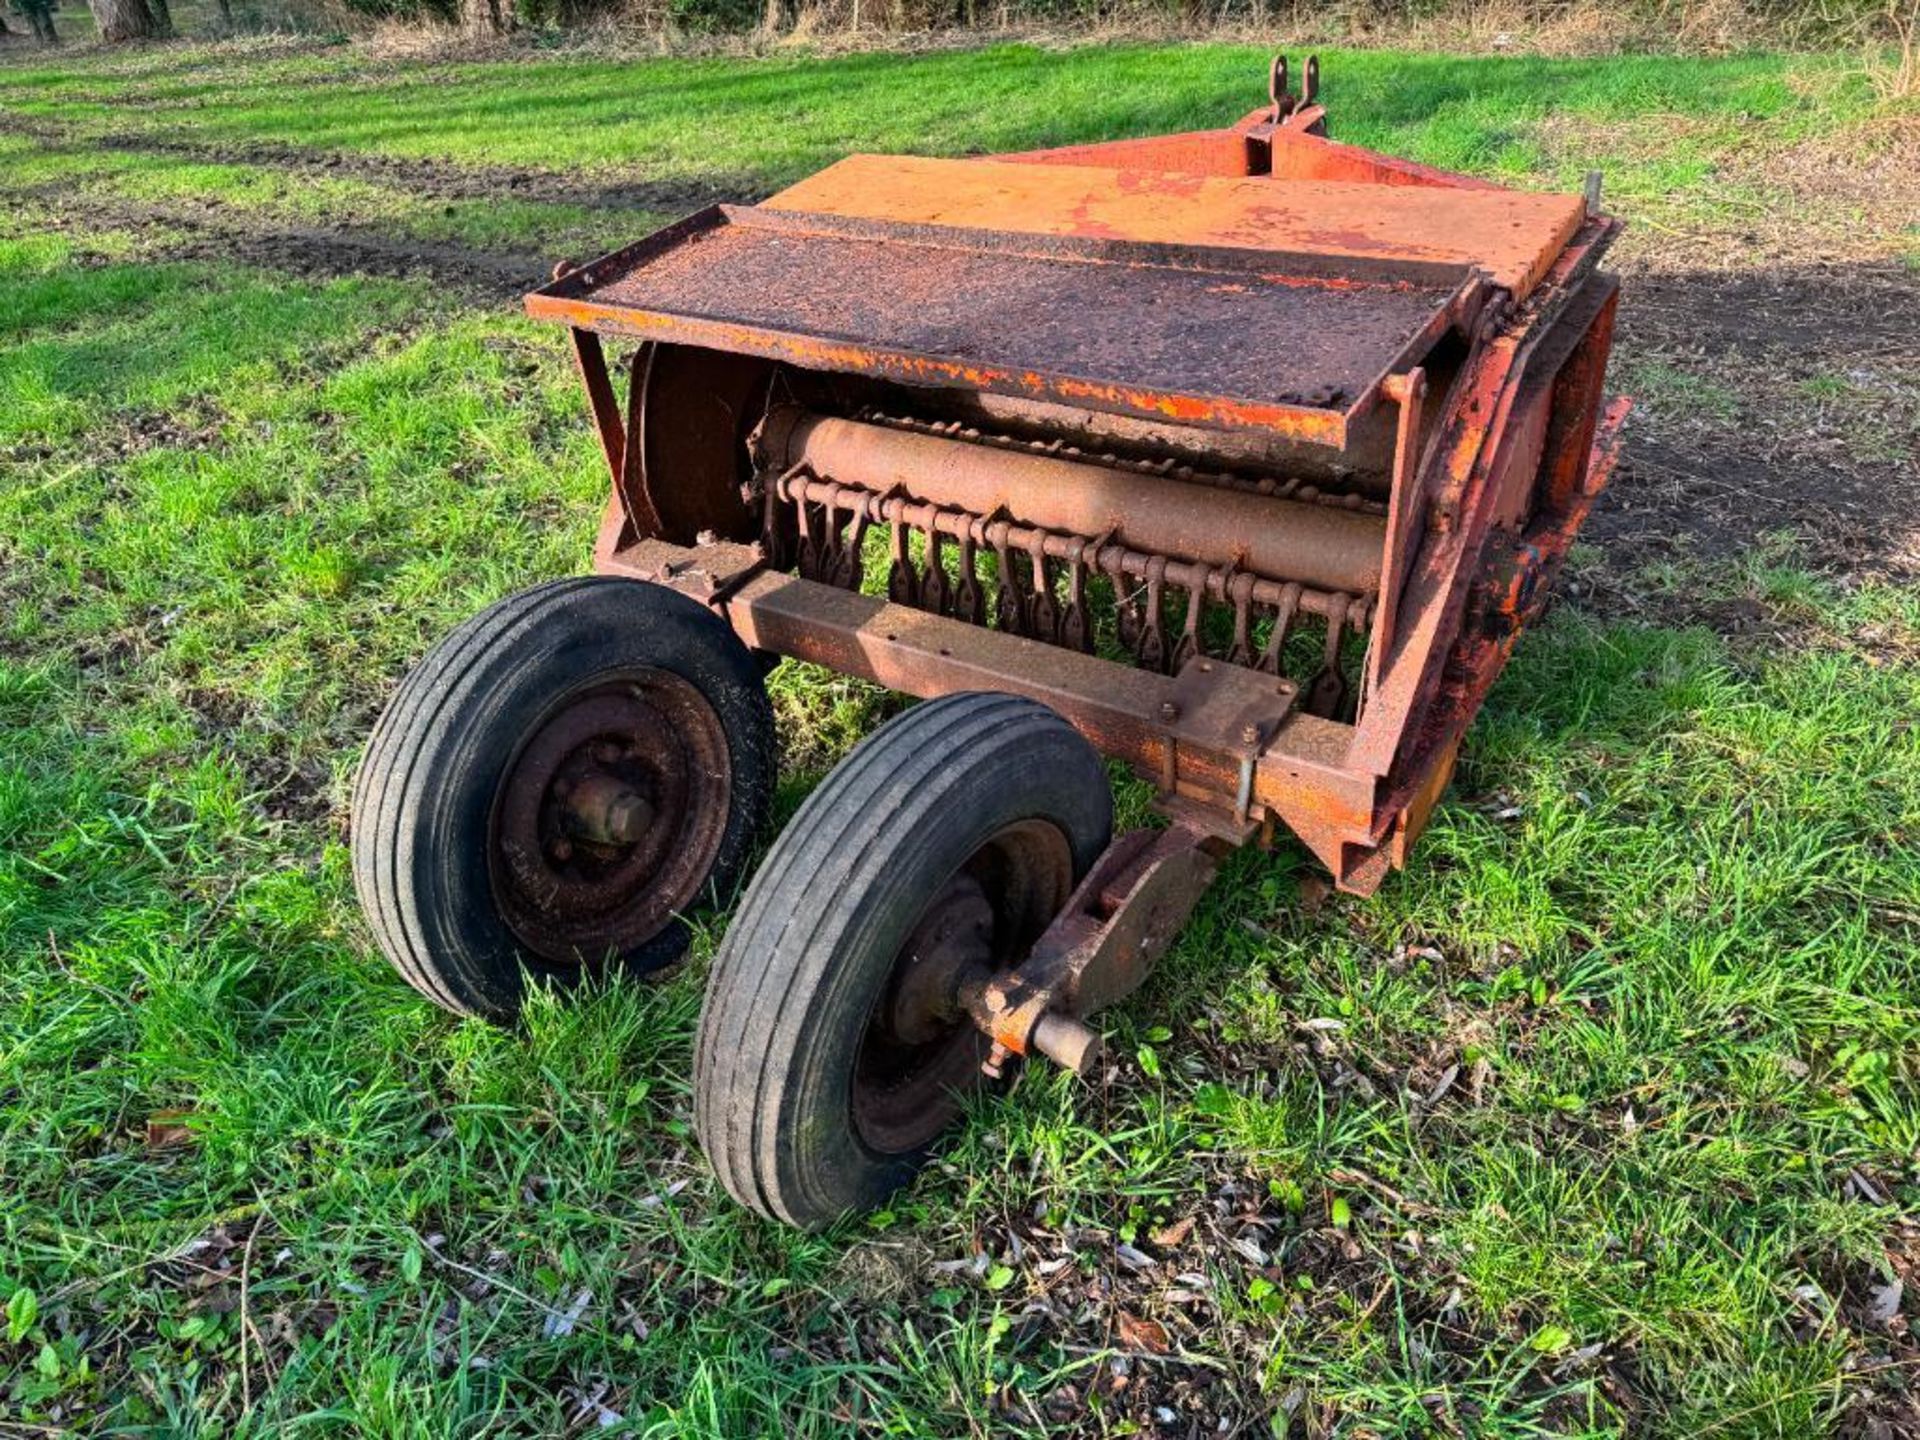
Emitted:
pixel 1512 235
pixel 1120 326
pixel 1249 452
pixel 607 821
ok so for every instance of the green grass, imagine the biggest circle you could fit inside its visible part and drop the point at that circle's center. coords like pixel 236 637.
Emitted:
pixel 1663 934
pixel 771 121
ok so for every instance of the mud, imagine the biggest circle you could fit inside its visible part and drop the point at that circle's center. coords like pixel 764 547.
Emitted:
pixel 227 237
pixel 423 178
pixel 1836 478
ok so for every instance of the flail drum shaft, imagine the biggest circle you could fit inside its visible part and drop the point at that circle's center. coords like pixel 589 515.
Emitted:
pixel 1321 546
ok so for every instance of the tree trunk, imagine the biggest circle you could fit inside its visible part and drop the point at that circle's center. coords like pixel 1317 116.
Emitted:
pixel 225 7
pixel 122 20
pixel 483 17
pixel 43 30
pixel 162 19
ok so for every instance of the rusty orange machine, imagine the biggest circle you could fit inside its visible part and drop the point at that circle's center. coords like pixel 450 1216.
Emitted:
pixel 1242 457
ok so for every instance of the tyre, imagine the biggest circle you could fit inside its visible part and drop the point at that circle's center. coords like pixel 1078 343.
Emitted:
pixel 830 1056
pixel 554 786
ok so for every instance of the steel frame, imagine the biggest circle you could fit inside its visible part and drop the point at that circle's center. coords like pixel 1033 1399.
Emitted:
pixel 1493 462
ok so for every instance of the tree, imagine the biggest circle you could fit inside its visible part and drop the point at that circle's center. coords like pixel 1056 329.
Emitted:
pixel 123 20
pixel 484 17
pixel 39 14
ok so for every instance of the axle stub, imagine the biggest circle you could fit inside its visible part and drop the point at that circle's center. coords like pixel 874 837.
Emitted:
pixel 554 786
pixel 834 1044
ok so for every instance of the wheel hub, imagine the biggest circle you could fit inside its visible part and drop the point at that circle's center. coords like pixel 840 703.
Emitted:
pixel 608 819
pixel 606 810
pixel 953 940
pixel 921 1052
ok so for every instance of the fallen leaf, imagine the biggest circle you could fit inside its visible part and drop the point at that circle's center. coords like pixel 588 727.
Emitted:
pixel 659 1198
pixel 1884 1302
pixel 1439 1091
pixel 1147 1335
pixel 169 1127
pixel 558 1324
pixel 1172 1236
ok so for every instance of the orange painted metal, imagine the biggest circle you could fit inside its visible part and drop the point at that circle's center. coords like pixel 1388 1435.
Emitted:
pixel 1330 319
pixel 1511 235
pixel 1296 155
pixel 1197 152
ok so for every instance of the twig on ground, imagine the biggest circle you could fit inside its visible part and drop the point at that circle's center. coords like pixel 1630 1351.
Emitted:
pixel 246 1314
pixel 493 1280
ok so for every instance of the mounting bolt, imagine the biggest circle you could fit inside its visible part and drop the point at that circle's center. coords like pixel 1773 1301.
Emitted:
pixel 1169 711
pixel 994 1066
pixel 1250 734
pixel 602 809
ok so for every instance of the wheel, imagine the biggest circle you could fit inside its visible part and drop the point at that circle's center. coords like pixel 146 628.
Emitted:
pixel 830 1054
pixel 552 788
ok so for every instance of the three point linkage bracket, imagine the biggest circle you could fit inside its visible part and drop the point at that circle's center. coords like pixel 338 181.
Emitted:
pixel 1297 112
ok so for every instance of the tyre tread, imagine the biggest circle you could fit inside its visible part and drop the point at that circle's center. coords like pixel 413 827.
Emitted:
pixel 408 750
pixel 883 804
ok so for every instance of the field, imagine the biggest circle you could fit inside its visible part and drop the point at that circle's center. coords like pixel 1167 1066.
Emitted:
pixel 1602 1118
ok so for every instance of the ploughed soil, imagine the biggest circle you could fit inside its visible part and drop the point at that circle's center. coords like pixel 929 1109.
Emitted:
pixel 1805 427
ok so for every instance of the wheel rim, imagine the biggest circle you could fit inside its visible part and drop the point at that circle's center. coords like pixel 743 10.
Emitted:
pixel 608 819
pixel 920 1054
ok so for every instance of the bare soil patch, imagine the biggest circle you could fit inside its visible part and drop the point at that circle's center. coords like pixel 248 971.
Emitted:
pixel 423 178
pixel 434 180
pixel 314 252
pixel 1796 412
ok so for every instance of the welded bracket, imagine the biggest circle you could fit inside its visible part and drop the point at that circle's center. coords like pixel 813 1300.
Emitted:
pixel 1098 950
pixel 1406 518
pixel 1296 112
pixel 709 572
pixel 1222 710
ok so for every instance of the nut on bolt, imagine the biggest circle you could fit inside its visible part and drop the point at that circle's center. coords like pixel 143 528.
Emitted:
pixel 602 809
